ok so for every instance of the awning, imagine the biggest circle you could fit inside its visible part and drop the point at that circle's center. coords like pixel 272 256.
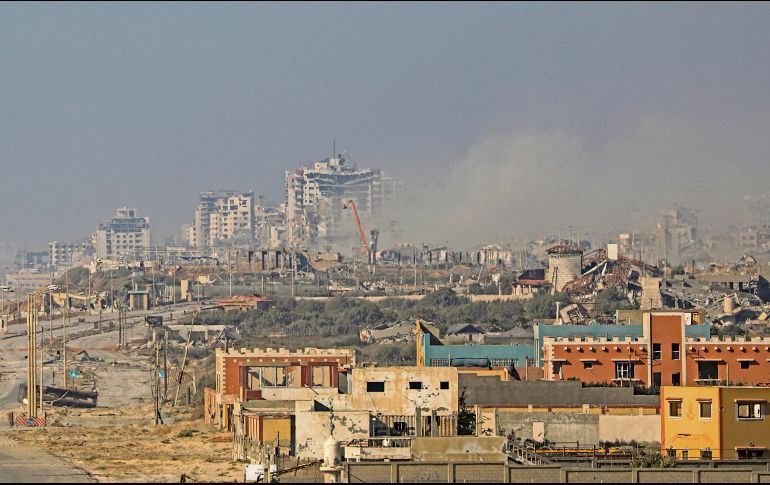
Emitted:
pixel 589 360
pixel 746 360
pixel 632 359
pixel 710 360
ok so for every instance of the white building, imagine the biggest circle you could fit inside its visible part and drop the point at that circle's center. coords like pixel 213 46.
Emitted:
pixel 123 233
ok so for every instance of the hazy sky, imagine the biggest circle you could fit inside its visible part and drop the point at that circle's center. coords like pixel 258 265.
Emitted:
pixel 502 119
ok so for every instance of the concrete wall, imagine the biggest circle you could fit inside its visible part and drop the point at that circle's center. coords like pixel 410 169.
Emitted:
pixel 645 429
pixel 459 448
pixel 588 429
pixel 398 398
pixel 489 391
pixel 560 428
pixel 311 428
pixel 443 472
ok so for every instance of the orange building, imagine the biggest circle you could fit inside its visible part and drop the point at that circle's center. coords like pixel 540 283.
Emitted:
pixel 274 374
pixel 663 355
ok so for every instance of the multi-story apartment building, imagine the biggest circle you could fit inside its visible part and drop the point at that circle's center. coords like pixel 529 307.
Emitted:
pixel 221 215
pixel 315 197
pixel 124 232
pixel 60 254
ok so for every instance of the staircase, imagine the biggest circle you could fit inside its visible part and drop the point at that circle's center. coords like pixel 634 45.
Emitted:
pixel 523 456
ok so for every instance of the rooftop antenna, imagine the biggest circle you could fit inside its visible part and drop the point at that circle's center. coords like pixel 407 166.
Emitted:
pixel 334 148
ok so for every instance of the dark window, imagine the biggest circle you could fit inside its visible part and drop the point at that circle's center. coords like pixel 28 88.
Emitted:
pixel 676 379
pixel 656 379
pixel 675 409
pixel 675 351
pixel 745 364
pixel 376 386
pixel 657 353
pixel 588 365
pixel 415 385
pixel 444 385
pixel 705 409
pixel 708 371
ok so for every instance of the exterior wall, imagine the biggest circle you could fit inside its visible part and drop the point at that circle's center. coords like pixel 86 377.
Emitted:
pixel 739 433
pixel 690 431
pixel 398 398
pixel 728 353
pixel 559 428
pixel 641 428
pixel 567 360
pixel 663 329
pixel 311 428
pixel 459 448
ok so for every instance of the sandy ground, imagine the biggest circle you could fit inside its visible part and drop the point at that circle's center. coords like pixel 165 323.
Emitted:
pixel 118 440
pixel 124 445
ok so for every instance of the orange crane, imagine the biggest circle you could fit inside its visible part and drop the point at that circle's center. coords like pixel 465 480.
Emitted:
pixel 352 204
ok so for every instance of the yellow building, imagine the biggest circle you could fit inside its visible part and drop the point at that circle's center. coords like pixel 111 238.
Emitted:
pixel 715 422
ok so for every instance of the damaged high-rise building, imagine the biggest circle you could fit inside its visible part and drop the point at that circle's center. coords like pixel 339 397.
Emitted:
pixel 221 215
pixel 316 195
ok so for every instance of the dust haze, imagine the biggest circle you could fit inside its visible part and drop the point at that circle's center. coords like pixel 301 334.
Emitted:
pixel 527 183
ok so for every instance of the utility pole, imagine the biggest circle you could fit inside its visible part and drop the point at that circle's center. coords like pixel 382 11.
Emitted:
pixel 64 325
pixel 31 357
pixel 165 365
pixel 156 377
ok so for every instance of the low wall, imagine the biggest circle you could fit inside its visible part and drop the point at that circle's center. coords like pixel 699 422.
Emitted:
pixel 443 472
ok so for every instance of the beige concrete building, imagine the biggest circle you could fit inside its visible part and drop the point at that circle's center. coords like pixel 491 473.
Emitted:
pixel 122 234
pixel 220 216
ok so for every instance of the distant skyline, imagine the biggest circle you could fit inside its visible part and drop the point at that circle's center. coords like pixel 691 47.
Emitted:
pixel 502 119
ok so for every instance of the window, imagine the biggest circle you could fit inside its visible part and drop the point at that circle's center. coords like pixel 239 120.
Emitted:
pixel 657 353
pixel 400 427
pixel 624 370
pixel 675 409
pixel 705 409
pixel 588 365
pixel 745 364
pixel 375 386
pixel 750 410
pixel 676 379
pixel 415 385
pixel 708 371
pixel 444 385
pixel 675 351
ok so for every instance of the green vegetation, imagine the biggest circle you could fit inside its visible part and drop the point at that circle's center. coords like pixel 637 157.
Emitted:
pixel 611 300
pixel 543 304
pixel 339 317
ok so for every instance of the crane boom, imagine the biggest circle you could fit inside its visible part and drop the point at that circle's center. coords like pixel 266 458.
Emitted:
pixel 352 204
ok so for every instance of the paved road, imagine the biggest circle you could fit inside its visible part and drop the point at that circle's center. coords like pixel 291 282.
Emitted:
pixel 22 464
